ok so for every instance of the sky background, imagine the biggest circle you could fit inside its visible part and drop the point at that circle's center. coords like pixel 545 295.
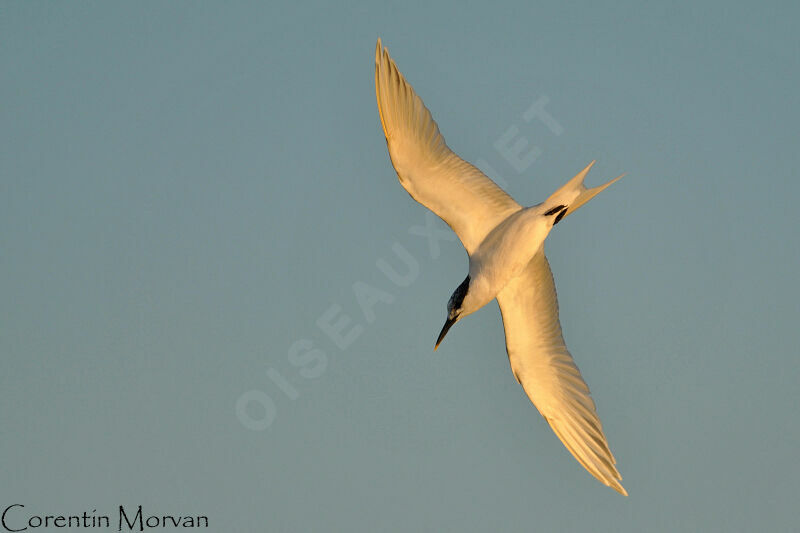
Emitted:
pixel 188 189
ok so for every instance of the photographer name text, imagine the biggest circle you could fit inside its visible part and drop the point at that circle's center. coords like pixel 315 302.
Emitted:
pixel 15 518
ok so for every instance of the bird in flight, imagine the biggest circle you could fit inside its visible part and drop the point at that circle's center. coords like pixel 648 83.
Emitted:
pixel 505 244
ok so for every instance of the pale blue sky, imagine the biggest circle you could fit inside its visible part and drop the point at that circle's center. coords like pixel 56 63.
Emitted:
pixel 187 188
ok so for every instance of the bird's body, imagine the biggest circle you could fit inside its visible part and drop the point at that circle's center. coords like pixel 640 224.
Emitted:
pixel 507 249
pixel 505 244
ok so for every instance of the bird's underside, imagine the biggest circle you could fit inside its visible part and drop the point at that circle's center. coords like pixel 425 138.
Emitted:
pixel 473 205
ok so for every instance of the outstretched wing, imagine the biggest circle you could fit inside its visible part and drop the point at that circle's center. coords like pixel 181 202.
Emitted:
pixel 545 369
pixel 468 201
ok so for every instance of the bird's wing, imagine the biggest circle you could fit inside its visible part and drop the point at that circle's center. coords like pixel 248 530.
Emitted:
pixel 460 194
pixel 545 369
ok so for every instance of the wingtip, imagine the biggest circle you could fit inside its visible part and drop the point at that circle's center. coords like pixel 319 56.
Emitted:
pixel 380 51
pixel 616 485
pixel 619 488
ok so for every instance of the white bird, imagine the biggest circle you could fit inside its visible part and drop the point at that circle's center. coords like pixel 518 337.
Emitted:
pixel 505 244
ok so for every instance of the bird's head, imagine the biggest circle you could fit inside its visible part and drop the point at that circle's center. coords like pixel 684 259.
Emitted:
pixel 455 309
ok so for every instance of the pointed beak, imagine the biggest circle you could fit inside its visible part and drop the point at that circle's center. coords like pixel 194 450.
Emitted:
pixel 447 325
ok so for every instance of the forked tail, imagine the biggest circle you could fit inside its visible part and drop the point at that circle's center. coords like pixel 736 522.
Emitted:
pixel 574 193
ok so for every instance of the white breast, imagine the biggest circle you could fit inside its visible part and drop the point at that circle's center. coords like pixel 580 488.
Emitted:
pixel 506 251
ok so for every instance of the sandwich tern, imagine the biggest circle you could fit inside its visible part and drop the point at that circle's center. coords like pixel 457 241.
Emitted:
pixel 505 244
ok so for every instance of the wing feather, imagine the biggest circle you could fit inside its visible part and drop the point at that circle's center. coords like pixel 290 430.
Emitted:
pixel 460 194
pixel 545 369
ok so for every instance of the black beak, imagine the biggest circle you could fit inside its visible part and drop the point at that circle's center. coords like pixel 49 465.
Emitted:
pixel 447 325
